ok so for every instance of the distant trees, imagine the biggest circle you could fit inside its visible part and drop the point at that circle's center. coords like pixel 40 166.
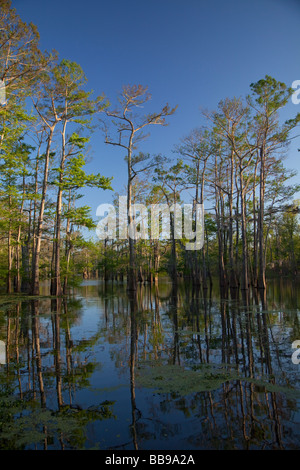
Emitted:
pixel 58 125
pixel 128 126
pixel 196 149
pixel 61 103
pixel 170 182
pixel 21 60
pixel 269 96
pixel 284 246
pixel 233 164
pixel 20 63
pixel 247 178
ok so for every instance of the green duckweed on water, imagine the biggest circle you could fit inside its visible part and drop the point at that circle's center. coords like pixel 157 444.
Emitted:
pixel 201 378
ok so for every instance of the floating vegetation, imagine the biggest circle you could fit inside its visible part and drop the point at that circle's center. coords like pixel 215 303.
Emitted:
pixel 177 379
pixel 201 378
pixel 27 424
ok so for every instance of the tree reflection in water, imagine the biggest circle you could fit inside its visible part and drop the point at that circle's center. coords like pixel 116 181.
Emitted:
pixel 170 367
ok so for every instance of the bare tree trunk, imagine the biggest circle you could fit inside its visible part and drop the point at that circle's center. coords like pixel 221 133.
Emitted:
pixel 219 221
pixel 156 260
pixel 173 251
pixel 233 279
pixel 245 275
pixel 56 288
pixel 204 270
pixel 9 288
pixel 262 275
pixel 25 284
pixel 18 262
pixel 56 280
pixel 39 229
pixel 68 248
pixel 18 245
pixel 131 282
pixel 255 251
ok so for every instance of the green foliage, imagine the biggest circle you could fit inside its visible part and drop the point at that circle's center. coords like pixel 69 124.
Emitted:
pixel 26 424
pixel 234 164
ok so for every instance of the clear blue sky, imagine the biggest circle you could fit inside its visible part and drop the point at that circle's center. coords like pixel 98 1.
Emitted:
pixel 190 53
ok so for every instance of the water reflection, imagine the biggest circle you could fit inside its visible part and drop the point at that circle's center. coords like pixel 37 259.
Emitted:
pixel 167 368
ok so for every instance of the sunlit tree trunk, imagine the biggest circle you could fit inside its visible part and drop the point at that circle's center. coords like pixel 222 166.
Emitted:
pixel 262 268
pixel 39 229
pixel 56 288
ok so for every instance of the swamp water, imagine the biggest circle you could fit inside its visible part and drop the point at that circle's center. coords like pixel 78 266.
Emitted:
pixel 167 370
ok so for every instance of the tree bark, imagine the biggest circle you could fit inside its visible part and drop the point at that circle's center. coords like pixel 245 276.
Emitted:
pixel 262 274
pixel 39 230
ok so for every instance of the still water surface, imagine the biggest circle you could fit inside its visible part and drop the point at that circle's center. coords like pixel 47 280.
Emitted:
pixel 169 369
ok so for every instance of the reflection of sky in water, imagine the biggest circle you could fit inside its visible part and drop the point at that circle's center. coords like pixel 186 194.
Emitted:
pixel 100 333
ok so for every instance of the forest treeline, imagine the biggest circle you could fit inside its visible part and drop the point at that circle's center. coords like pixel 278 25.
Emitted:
pixel 233 164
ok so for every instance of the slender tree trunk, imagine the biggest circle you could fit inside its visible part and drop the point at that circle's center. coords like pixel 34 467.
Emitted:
pixel 9 282
pixel 68 248
pixel 9 289
pixel 18 262
pixel 245 275
pixel 132 281
pixel 204 269
pixel 25 283
pixel 156 260
pixel 255 251
pixel 219 220
pixel 35 199
pixel 262 276
pixel 233 279
pixel 39 229
pixel 56 288
pixel 196 273
pixel 174 273
pixel 18 245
